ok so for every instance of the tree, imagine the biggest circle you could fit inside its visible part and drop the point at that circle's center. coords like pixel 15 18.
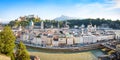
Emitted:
pixel 12 56
pixel 24 23
pixel 36 20
pixel 21 52
pixel 1 42
pixel 12 23
pixel 7 40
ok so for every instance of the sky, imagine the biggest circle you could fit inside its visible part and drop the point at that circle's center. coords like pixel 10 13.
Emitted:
pixel 50 9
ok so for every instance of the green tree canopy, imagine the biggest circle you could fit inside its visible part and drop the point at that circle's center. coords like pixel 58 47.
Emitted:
pixel 21 52
pixel 7 41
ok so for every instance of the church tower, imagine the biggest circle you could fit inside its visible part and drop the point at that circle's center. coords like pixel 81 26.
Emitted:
pixel 31 25
pixel 58 25
pixel 42 25
pixel 82 29
pixel 20 28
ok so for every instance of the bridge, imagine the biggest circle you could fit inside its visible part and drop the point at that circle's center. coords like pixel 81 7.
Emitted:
pixel 109 46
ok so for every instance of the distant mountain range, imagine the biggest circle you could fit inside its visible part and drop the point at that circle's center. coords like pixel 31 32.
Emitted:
pixel 63 17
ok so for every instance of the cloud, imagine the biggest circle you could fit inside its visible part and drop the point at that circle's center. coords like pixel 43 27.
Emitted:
pixel 117 3
pixel 96 10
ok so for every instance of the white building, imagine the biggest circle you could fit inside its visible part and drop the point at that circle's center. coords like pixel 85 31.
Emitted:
pixel 37 41
pixel 55 43
pixel 24 37
pixel 70 41
pixel 77 40
pixel 62 40
pixel 117 34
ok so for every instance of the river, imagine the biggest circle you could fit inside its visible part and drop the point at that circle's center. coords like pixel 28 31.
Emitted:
pixel 54 55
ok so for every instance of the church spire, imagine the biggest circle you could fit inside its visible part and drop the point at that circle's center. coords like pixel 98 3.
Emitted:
pixel 20 28
pixel 42 25
pixel 58 25
pixel 31 24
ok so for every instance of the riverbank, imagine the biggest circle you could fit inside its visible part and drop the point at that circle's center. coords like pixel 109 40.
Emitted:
pixel 66 49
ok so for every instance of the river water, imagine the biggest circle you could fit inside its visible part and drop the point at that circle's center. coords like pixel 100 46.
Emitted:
pixel 95 53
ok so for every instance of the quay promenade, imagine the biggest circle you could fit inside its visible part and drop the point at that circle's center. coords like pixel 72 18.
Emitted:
pixel 83 47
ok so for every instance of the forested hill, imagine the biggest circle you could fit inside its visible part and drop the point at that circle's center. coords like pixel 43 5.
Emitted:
pixel 115 24
pixel 98 22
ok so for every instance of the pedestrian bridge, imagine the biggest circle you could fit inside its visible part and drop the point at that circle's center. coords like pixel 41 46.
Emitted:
pixel 108 46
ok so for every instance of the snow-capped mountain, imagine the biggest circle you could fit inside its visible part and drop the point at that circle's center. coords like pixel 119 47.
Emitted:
pixel 63 17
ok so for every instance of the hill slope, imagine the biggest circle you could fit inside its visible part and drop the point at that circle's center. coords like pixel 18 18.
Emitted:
pixel 3 57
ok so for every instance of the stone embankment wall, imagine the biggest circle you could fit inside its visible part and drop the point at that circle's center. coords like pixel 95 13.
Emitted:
pixel 73 49
pixel 89 47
